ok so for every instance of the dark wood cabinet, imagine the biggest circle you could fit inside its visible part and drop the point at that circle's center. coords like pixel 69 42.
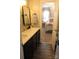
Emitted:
pixel 31 45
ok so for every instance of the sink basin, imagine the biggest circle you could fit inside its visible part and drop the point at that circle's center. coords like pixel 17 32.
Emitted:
pixel 24 35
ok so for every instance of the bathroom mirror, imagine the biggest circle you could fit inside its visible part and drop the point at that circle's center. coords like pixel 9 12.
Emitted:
pixel 26 17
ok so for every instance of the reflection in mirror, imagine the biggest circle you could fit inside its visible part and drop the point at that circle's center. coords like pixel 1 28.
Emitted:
pixel 26 18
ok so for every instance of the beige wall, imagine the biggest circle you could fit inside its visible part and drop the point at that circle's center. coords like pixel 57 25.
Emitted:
pixel 22 27
pixel 55 23
pixel 36 7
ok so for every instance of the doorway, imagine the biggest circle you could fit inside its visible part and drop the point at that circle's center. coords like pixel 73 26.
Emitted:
pixel 47 22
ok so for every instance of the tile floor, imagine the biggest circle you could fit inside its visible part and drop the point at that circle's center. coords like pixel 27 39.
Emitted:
pixel 44 51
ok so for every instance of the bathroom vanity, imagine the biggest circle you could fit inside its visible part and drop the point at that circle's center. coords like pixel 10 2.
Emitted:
pixel 30 40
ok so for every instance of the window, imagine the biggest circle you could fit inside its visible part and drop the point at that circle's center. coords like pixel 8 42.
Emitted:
pixel 46 15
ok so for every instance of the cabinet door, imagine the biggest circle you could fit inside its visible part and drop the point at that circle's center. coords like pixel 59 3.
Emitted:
pixel 34 41
pixel 38 38
pixel 28 50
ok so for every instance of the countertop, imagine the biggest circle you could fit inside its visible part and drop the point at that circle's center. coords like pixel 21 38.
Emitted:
pixel 26 35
